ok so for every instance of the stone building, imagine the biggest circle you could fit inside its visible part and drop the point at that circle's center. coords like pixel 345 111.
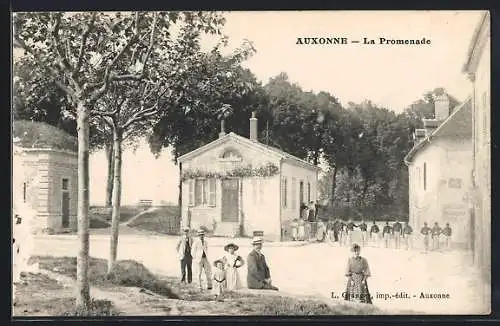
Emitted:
pixel 235 185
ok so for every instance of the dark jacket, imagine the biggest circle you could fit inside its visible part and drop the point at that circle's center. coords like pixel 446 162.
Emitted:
pixel 374 229
pixel 258 270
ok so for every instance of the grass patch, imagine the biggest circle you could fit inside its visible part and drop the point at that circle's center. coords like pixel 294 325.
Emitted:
pixel 125 273
pixel 98 224
pixel 43 296
pixel 104 213
pixel 164 220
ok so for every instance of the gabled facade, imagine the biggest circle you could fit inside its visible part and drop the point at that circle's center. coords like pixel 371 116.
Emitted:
pixel 440 166
pixel 234 186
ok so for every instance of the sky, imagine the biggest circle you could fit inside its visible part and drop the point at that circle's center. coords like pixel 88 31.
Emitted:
pixel 391 76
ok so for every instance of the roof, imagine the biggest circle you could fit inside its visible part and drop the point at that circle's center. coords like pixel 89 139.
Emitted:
pixel 245 141
pixel 40 135
pixel 459 123
pixel 474 41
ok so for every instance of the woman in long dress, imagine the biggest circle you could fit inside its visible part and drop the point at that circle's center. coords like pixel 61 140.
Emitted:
pixel 232 262
pixel 357 272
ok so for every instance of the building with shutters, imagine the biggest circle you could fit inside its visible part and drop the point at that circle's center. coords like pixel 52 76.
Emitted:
pixel 45 175
pixel 235 185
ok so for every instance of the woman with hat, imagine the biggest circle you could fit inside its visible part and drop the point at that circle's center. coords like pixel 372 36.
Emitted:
pixel 357 272
pixel 231 263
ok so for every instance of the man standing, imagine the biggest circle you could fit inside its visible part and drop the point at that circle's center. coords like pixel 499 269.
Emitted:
pixel 363 227
pixel 200 258
pixel 258 276
pixel 336 230
pixel 183 248
pixel 447 236
pixel 425 231
pixel 374 230
pixel 397 230
pixel 350 230
pixel 407 231
pixel 386 233
pixel 436 232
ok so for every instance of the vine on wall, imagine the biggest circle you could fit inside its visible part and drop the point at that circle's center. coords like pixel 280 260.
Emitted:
pixel 268 170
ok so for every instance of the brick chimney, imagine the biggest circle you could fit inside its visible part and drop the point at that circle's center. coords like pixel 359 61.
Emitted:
pixel 253 127
pixel 441 107
pixel 222 132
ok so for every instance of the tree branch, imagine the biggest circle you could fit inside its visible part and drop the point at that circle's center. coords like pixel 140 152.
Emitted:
pixel 56 19
pixel 143 113
pixel 85 35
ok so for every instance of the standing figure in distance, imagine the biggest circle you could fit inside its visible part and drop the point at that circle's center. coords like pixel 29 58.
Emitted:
pixel 374 236
pixel 184 245
pixel 363 228
pixel 386 234
pixel 426 231
pixel 397 230
pixel 350 230
pixel 357 273
pixel 301 231
pixel 436 232
pixel 407 231
pixel 447 236
pixel 200 258
pixel 295 229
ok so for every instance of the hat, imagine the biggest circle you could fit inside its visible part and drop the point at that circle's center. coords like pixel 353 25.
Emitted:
pixel 257 240
pixel 185 228
pixel 201 231
pixel 229 245
pixel 218 261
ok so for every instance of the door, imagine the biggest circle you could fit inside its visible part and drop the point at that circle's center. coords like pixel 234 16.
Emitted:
pixel 230 200
pixel 65 209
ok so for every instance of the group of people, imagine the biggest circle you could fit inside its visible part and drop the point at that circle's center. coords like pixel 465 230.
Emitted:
pixel 396 235
pixel 226 276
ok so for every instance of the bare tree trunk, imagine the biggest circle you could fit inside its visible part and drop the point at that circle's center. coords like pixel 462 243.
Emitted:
pixel 82 261
pixel 117 189
pixel 109 184
pixel 334 185
pixel 180 188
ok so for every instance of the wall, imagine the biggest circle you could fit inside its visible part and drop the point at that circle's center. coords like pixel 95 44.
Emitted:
pixel 482 168
pixel 292 172
pixel 261 206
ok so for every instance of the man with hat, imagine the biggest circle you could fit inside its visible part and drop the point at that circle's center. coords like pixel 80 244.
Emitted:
pixel 258 276
pixel 184 253
pixel 200 258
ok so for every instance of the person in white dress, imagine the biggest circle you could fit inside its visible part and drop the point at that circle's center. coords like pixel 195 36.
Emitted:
pixel 219 280
pixel 232 262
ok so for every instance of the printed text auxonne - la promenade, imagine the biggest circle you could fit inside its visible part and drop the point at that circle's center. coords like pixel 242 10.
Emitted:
pixel 362 41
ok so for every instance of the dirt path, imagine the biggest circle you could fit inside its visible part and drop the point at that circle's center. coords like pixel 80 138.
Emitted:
pixel 126 223
pixel 128 301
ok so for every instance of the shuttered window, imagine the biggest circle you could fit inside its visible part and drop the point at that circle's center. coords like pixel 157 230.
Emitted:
pixel 284 192
pixel 198 192
pixel 191 192
pixel 211 192
pixel 294 193
pixel 308 193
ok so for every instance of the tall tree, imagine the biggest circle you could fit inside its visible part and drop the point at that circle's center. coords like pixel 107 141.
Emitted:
pixel 87 52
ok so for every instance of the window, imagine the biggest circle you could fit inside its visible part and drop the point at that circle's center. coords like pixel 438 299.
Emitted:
pixel 24 192
pixel 294 193
pixel 204 192
pixel 308 193
pixel 211 192
pixel 284 192
pixel 191 193
pixel 425 176
pixel 65 184
pixel 301 192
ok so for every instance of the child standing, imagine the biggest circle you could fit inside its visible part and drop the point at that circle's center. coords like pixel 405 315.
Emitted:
pixel 232 262
pixel 302 230
pixel 219 277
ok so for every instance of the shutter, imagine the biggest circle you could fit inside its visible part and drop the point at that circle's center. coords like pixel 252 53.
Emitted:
pixel 294 193
pixel 198 192
pixel 191 193
pixel 212 188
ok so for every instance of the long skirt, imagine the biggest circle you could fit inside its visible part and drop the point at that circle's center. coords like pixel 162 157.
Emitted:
pixel 233 281
pixel 357 290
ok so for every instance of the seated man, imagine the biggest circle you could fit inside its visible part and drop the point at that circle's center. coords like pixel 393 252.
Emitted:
pixel 258 276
